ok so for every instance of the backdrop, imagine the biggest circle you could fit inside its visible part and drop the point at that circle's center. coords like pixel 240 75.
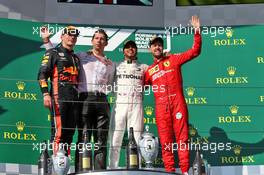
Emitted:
pixel 223 88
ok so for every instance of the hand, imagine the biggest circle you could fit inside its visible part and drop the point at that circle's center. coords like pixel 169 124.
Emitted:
pixel 166 53
pixel 108 62
pixel 195 22
pixel 45 34
pixel 47 101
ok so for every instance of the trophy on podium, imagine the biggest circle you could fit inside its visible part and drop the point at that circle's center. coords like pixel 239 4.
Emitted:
pixel 61 163
pixel 200 165
pixel 149 147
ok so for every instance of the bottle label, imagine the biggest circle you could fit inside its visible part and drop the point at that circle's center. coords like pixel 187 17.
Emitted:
pixel 133 159
pixel 86 162
pixel 195 170
pixel 41 171
pixel 62 162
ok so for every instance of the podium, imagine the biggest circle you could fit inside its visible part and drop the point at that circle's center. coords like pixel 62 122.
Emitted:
pixel 126 172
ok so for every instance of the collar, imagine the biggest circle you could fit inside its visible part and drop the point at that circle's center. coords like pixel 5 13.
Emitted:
pixel 130 61
pixel 156 61
pixel 99 58
pixel 102 59
pixel 63 49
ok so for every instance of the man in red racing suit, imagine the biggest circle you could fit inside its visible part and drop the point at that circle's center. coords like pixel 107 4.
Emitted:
pixel 171 109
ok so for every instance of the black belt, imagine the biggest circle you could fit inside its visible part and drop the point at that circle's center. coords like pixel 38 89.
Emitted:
pixel 96 93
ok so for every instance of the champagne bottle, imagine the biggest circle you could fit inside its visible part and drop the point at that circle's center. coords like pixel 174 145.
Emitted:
pixel 197 164
pixel 132 151
pixel 43 160
pixel 203 166
pixel 208 169
pixel 85 155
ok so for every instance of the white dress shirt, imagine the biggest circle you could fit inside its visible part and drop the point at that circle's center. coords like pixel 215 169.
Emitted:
pixel 95 76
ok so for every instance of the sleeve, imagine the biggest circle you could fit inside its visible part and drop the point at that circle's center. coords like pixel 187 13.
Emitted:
pixel 45 70
pixel 112 74
pixel 48 45
pixel 78 67
pixel 191 53
pixel 147 78
pixel 145 67
pixel 80 55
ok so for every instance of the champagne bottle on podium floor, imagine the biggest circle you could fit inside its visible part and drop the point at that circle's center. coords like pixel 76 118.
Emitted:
pixel 203 166
pixel 43 162
pixel 132 151
pixel 197 164
pixel 85 156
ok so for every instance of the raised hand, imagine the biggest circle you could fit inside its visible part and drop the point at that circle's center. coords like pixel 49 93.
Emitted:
pixel 195 22
pixel 45 34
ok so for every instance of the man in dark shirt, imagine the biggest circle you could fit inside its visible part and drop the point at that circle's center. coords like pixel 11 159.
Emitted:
pixel 61 66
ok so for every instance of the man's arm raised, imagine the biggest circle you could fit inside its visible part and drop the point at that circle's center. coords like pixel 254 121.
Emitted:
pixel 45 35
pixel 196 48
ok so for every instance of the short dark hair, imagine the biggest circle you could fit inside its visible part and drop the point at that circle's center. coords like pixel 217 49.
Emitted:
pixel 102 32
pixel 156 39
pixel 129 43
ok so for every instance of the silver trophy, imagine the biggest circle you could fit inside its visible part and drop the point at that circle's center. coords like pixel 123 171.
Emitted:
pixel 61 163
pixel 149 147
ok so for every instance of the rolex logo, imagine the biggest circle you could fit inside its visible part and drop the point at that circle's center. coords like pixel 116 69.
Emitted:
pixel 194 100
pixel 231 70
pixel 149 110
pixel 20 126
pixel 111 99
pixel 233 109
pixel 230 40
pixel 231 79
pixel 190 91
pixel 49 117
pixel 229 33
pixel 20 85
pixel 237 149
pixel 19 135
pixel 192 131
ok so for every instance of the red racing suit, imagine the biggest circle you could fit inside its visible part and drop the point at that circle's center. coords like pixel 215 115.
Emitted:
pixel 171 109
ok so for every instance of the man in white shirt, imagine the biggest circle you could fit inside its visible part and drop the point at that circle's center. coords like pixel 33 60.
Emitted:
pixel 128 110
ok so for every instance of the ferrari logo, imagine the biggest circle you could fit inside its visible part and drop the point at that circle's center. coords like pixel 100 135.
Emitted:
pixel 166 63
